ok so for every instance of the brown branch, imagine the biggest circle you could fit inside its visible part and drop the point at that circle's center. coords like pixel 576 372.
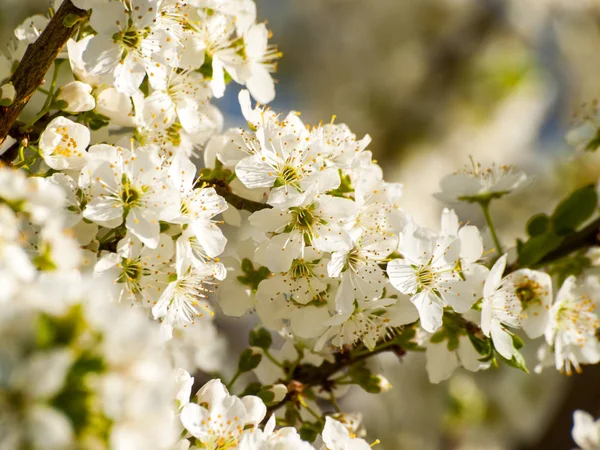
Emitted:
pixel 307 375
pixel 37 60
pixel 588 236
pixel 240 203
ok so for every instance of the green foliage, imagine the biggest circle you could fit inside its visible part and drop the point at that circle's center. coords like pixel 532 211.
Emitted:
pixel 76 397
pixel 261 338
pixel 252 277
pixel 248 361
pixel 93 120
pixel 309 431
pixel 575 210
pixel 532 251
pixel 360 374
pixel 547 233
pixel 538 224
pixel 345 188
pixel 251 389
pixel 217 173
pixel 573 265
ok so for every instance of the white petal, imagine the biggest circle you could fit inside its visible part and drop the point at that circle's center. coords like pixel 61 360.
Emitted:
pixel 495 276
pixel 441 363
pixel 430 309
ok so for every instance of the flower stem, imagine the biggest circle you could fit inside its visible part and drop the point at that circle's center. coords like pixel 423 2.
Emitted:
pixel 485 206
pixel 234 379
pixel 270 357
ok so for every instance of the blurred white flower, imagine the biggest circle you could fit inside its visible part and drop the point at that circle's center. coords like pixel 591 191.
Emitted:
pixel 586 431
pixel 478 184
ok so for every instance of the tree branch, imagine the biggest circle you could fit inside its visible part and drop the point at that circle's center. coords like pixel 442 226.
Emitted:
pixel 224 190
pixel 307 376
pixel 586 237
pixel 37 60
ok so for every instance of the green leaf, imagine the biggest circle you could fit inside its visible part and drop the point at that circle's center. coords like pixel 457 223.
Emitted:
pixel 482 346
pixel 309 431
pixel 438 337
pixel 575 210
pixel 517 361
pixel 252 389
pixel 249 360
pixel 266 396
pixel 517 342
pixel 260 338
pixel 537 247
pixel 538 224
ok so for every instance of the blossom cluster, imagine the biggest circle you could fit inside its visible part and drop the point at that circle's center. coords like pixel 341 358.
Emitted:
pixel 216 419
pixel 68 380
pixel 104 209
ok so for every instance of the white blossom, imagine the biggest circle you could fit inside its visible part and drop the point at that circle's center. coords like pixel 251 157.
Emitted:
pixel 130 186
pixel 63 144
pixel 571 331
pixel 501 308
pixel 77 97
pixel 586 431
pixel 218 419
pixel 475 183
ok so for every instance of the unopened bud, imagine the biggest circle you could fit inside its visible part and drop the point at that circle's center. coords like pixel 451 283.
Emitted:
pixel 279 392
pixel 7 94
pixel 76 97
pixel 383 383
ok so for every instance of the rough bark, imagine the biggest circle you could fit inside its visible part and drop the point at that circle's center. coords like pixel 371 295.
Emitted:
pixel 37 60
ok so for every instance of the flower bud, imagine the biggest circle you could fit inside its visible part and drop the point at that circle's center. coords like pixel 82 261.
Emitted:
pixel 77 97
pixel 279 392
pixel 383 383
pixel 7 94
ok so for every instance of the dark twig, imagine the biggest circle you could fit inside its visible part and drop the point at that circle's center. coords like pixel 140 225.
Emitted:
pixel 37 60
pixel 234 200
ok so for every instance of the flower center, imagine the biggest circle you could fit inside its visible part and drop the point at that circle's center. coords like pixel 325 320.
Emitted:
pixel 67 146
pixel 303 218
pixel 131 273
pixel 130 38
pixel 426 277
pixel 130 196
pixel 529 291
pixel 288 175
pixel 300 269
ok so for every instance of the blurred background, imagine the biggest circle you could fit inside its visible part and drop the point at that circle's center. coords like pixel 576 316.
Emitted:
pixel 434 82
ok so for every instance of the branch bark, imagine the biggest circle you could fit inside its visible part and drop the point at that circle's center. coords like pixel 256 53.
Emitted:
pixel 37 60
pixel 234 200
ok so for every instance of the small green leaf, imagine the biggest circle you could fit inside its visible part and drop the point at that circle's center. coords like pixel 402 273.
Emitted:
pixel 252 389
pixel 260 338
pixel 249 360
pixel 517 342
pixel 438 337
pixel 517 361
pixel 575 210
pixel 538 224
pixel 532 251
pixel 482 346
pixel 266 396
pixel 309 431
